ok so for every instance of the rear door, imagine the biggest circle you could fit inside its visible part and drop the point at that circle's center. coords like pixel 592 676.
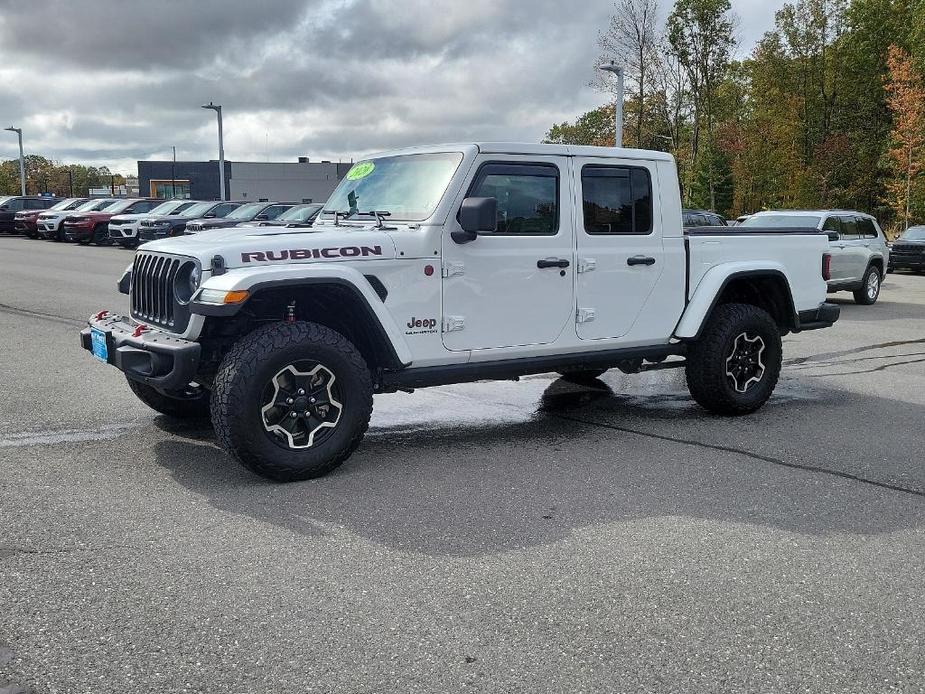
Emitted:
pixel 840 265
pixel 513 287
pixel 620 254
pixel 855 248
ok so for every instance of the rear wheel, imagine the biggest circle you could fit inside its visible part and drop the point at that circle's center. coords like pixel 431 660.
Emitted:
pixel 191 403
pixel 292 401
pixel 870 287
pixel 733 368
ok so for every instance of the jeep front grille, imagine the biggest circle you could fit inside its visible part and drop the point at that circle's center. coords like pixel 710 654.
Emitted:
pixel 153 298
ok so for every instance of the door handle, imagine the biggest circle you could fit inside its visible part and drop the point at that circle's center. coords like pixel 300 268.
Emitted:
pixel 640 260
pixel 552 262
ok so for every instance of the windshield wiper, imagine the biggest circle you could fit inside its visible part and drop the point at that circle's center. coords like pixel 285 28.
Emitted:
pixel 380 216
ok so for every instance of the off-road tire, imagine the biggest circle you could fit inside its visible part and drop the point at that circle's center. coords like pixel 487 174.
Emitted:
pixel 706 367
pixel 582 375
pixel 861 296
pixel 180 407
pixel 252 363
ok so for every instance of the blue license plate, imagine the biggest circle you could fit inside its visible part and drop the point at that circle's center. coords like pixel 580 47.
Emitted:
pixel 99 345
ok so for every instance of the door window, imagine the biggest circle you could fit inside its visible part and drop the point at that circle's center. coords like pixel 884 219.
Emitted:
pixel 866 228
pixel 527 195
pixel 849 229
pixel 832 224
pixel 15 205
pixel 617 200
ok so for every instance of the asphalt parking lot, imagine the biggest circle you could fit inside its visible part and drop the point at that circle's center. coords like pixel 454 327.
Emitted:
pixel 500 537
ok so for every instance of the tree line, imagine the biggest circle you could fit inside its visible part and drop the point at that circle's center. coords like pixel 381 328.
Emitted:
pixel 828 109
pixel 45 176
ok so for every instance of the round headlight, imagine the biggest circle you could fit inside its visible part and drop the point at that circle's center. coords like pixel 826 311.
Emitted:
pixel 195 276
pixel 186 282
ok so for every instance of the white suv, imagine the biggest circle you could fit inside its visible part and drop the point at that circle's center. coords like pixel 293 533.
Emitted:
pixel 857 248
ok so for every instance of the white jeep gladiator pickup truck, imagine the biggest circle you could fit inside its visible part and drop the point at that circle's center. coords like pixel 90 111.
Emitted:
pixel 454 263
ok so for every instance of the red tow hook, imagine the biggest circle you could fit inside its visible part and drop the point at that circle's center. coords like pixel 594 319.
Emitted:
pixel 139 329
pixel 101 315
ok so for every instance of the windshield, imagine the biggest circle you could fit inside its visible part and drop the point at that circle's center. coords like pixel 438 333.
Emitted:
pixel 914 234
pixel 802 221
pixel 3 199
pixel 199 209
pixel 117 206
pixel 247 211
pixel 299 214
pixel 63 205
pixel 408 186
pixel 171 206
pixel 94 205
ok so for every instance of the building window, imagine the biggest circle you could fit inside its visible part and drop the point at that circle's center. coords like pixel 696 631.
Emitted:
pixel 168 189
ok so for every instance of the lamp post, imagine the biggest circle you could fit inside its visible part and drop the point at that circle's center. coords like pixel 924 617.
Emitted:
pixel 221 148
pixel 618 105
pixel 22 161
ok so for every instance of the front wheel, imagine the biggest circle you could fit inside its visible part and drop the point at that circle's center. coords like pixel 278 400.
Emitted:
pixel 101 235
pixel 191 403
pixel 292 401
pixel 870 287
pixel 733 368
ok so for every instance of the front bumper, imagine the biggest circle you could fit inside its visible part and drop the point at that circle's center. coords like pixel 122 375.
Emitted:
pixel 123 233
pixel 75 233
pixel 909 262
pixel 823 317
pixel 149 234
pixel 153 357
pixel 25 227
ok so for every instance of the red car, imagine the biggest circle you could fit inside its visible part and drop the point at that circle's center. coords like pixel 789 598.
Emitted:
pixel 85 227
pixel 26 221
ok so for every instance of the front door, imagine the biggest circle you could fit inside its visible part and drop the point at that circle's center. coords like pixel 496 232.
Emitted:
pixel 513 287
pixel 620 254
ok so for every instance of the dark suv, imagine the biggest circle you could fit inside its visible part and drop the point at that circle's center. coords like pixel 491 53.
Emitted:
pixel 702 218
pixel 247 212
pixel 175 224
pixel 11 204
pixel 908 251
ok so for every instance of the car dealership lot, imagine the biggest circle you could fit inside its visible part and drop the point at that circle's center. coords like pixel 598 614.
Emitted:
pixel 532 536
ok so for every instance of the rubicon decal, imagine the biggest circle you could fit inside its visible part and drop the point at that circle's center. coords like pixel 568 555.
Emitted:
pixel 307 253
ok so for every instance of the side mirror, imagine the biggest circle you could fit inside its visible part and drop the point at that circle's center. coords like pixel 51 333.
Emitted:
pixel 4 207
pixel 211 215
pixel 477 217
pixel 261 217
pixel 833 235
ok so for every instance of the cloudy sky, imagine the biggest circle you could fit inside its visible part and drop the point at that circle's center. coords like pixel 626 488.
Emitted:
pixel 113 81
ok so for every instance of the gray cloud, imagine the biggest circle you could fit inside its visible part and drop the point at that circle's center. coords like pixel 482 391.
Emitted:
pixel 107 82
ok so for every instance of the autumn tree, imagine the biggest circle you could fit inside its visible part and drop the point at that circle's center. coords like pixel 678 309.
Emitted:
pixel 592 128
pixel 630 40
pixel 700 35
pixel 906 99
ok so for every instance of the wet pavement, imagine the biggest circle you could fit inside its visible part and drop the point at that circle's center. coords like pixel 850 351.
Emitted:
pixel 526 536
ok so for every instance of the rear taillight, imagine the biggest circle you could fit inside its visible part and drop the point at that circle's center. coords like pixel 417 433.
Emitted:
pixel 826 266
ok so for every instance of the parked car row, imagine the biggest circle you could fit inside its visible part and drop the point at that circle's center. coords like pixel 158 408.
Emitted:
pixel 131 221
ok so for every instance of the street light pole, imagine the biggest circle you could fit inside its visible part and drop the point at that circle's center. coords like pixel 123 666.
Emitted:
pixel 22 161
pixel 618 104
pixel 221 148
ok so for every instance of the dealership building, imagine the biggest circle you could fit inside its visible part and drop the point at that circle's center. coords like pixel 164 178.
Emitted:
pixel 300 181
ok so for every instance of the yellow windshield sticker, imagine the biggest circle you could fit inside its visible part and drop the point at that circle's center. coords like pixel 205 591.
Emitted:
pixel 360 170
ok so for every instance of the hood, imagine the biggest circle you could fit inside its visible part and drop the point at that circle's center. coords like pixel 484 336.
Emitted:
pixel 256 246
pixel 131 217
pixel 54 214
pixel 215 222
